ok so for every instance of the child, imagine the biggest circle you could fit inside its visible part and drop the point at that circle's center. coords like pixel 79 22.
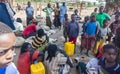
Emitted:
pixel 83 43
pixel 73 29
pixel 104 65
pixel 65 26
pixel 102 36
pixel 114 26
pixel 7 41
pixel 27 55
pixel 90 33
pixel 40 40
pixel 77 17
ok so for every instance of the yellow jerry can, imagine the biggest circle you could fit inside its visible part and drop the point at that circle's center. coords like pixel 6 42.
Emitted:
pixel 37 68
pixel 69 48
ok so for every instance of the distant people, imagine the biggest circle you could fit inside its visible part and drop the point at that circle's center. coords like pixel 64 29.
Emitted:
pixel 29 13
pixel 63 11
pixel 73 29
pixel 57 16
pixel 77 17
pixel 95 12
pixel 7 50
pixel 6 13
pixel 48 11
pixel 101 16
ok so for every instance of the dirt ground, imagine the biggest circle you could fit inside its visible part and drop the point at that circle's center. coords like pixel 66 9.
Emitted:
pixel 58 35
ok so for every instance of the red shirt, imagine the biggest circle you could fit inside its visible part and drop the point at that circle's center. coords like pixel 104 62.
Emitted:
pixel 29 29
pixel 23 63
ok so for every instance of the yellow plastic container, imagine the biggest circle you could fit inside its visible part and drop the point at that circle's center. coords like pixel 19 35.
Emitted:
pixel 69 48
pixel 37 68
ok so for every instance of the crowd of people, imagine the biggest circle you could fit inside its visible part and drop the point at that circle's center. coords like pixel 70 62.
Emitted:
pixel 98 35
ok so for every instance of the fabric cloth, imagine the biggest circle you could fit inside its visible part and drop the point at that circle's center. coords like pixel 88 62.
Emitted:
pixel 72 40
pixel 91 28
pixel 93 63
pixel 5 17
pixel 29 29
pixel 77 17
pixel 100 17
pixel 24 60
pixel 84 26
pixel 73 29
pixel 48 11
pixel 53 67
pixel 18 26
pixel 63 11
pixel 10 69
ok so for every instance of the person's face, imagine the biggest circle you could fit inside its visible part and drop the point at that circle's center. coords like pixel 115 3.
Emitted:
pixel 106 24
pixel 73 17
pixel 95 10
pixel 76 11
pixel 49 5
pixel 110 55
pixel 6 49
pixel 29 3
pixel 93 18
pixel 117 18
pixel 101 9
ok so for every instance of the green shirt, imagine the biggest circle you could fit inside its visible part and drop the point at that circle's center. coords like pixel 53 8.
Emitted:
pixel 101 17
pixel 48 11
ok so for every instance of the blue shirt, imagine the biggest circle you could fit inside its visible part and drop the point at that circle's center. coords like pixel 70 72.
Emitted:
pixel 91 28
pixel 10 69
pixel 29 11
pixel 63 10
pixel 5 17
pixel 73 29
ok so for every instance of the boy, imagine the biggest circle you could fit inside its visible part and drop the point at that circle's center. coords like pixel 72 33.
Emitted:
pixel 73 30
pixel 7 41
pixel 102 36
pixel 65 26
pixel 104 65
pixel 77 17
pixel 83 43
pixel 90 33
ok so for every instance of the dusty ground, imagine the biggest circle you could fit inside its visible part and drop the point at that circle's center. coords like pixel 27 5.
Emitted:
pixel 58 35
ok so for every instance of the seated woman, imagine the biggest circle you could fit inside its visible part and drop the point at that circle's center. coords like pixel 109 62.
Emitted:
pixel 26 57
pixel 56 61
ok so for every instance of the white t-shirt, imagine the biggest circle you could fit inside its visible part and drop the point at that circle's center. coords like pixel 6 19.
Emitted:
pixel 104 31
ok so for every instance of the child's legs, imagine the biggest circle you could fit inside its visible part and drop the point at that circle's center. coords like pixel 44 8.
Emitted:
pixel 96 47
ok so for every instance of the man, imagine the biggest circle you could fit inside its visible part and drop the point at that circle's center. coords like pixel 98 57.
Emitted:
pixel 7 41
pixel 48 11
pixel 29 13
pixel 101 16
pixel 5 16
pixel 63 11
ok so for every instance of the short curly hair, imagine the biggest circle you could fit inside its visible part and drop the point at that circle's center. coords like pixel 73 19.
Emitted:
pixel 5 29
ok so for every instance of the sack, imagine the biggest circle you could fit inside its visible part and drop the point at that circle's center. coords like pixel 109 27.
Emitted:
pixel 69 48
